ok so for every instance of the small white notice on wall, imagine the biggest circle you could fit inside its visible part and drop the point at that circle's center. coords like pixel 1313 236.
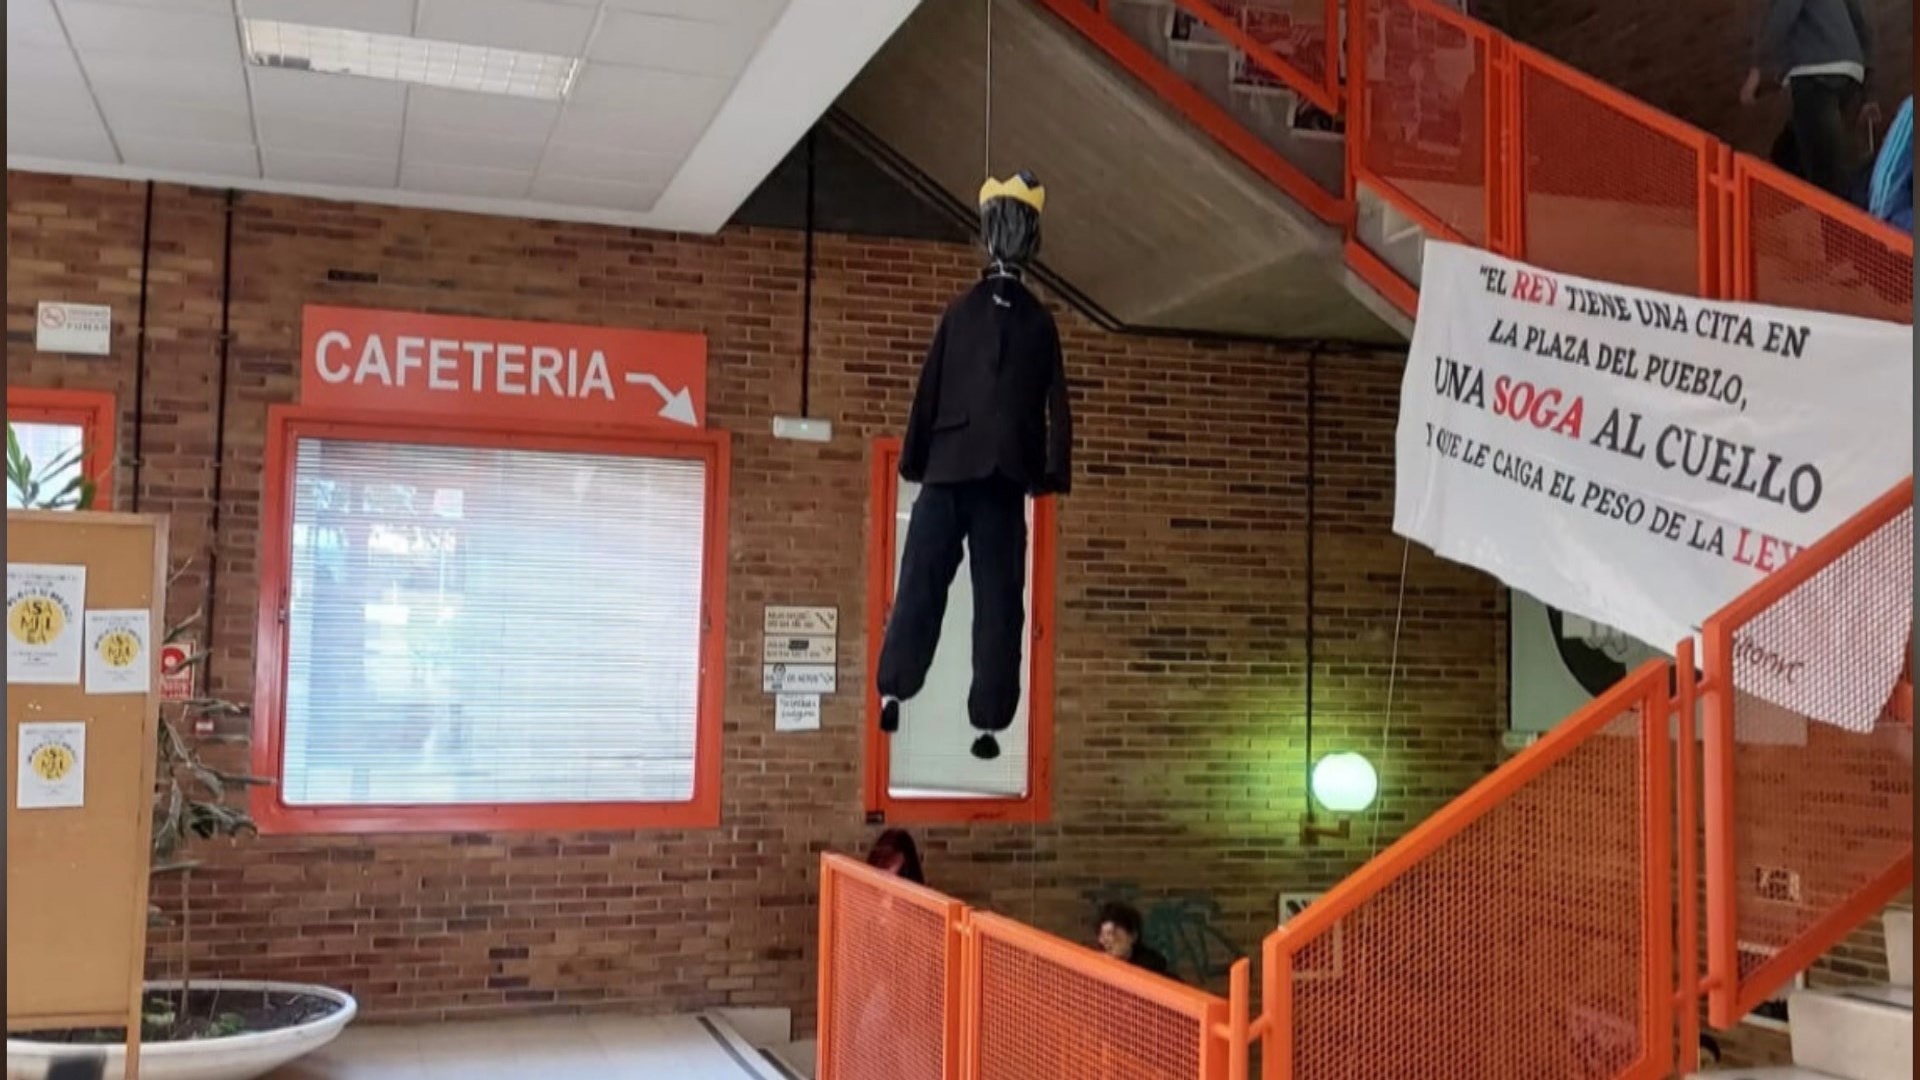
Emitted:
pixel 796 712
pixel 799 650
pixel 802 621
pixel 117 658
pixel 74 328
pixel 44 605
pixel 53 766
pixel 799 679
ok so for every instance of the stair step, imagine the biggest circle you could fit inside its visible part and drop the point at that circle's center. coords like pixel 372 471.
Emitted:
pixel 760 1026
pixel 1854 1033
pixel 1898 924
pixel 799 1059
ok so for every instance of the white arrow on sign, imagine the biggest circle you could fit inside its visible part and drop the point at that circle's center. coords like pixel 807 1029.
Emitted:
pixel 679 403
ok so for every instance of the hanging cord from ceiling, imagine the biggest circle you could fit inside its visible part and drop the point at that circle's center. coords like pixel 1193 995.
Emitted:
pixel 1386 723
pixel 806 280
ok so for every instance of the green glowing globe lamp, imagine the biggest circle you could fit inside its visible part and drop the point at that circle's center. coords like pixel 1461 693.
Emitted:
pixel 1345 783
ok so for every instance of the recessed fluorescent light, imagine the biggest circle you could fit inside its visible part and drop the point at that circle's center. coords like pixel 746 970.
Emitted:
pixel 450 64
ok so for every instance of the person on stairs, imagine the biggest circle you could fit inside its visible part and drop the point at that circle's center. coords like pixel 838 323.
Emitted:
pixel 989 428
pixel 1821 49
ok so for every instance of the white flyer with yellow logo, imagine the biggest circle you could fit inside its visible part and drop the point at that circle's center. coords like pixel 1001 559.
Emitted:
pixel 44 606
pixel 118 660
pixel 53 766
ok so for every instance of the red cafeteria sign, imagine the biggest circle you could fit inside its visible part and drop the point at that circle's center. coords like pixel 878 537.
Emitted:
pixel 404 361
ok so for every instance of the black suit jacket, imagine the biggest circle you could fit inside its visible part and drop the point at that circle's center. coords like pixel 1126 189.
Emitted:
pixel 992 395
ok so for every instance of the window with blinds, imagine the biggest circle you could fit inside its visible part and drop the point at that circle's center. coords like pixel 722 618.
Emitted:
pixel 929 757
pixel 47 443
pixel 488 626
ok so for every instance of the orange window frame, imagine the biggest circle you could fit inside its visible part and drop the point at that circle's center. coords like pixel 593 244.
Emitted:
pixel 286 425
pixel 1037 804
pixel 94 412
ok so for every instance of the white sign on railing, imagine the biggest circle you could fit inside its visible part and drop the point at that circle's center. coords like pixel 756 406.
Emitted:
pixel 1641 458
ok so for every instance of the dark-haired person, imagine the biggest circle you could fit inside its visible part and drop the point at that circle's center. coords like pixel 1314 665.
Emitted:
pixel 1120 930
pixel 896 853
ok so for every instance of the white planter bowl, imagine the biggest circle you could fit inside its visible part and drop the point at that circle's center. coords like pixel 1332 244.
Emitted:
pixel 233 1057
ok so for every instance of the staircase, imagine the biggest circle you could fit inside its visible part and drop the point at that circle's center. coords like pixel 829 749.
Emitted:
pixel 1851 1033
pixel 1225 173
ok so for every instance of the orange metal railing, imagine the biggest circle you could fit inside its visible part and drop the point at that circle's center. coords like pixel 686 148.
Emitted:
pixel 890 970
pixel 1038 1008
pixel 916 986
pixel 1809 828
pixel 1522 931
pixel 1797 246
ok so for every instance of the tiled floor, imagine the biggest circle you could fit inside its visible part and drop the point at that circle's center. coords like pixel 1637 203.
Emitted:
pixel 566 1048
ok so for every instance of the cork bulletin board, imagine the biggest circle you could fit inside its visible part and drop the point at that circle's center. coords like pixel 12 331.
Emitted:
pixel 80 761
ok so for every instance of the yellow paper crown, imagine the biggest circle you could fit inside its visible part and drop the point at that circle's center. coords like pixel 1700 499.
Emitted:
pixel 1014 187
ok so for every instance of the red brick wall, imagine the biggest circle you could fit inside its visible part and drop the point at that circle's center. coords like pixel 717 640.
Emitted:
pixel 1689 58
pixel 1182 603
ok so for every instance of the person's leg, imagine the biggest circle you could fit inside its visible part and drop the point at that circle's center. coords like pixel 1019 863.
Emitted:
pixel 1819 129
pixel 997 543
pixel 934 546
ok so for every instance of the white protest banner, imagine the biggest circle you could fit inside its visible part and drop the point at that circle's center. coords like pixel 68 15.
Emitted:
pixel 1641 459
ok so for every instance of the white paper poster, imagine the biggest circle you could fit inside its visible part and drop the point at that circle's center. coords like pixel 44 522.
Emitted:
pixel 1641 459
pixel 44 606
pixel 118 660
pixel 53 766
pixel 796 712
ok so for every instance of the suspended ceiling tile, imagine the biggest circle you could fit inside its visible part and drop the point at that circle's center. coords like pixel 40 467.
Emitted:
pixel 527 25
pixel 165 79
pixel 455 180
pixel 50 79
pixel 152 118
pixel 459 110
pixel 669 44
pixel 443 146
pixel 33 23
pixel 157 32
pixel 202 7
pixel 307 135
pixel 281 94
pixel 333 169
pixel 27 136
pixel 172 155
pixel 370 16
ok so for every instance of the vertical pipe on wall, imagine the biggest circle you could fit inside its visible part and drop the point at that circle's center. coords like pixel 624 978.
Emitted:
pixel 1313 452
pixel 806 284
pixel 220 420
pixel 140 355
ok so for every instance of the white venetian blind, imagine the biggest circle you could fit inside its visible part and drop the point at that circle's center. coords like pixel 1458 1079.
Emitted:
pixel 490 626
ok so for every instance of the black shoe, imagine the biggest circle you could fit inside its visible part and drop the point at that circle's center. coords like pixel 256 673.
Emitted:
pixel 889 715
pixel 986 748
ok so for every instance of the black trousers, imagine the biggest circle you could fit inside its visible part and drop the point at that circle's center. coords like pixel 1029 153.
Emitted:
pixel 1821 106
pixel 990 518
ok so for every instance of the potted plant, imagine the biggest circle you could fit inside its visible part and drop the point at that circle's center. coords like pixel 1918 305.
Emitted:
pixel 193 1029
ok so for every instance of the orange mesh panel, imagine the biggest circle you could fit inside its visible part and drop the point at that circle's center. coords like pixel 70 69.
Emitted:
pixel 1516 949
pixel 1819 813
pixel 1806 257
pixel 888 984
pixel 1049 1014
pixel 1424 138
pixel 1295 31
pixel 1605 191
